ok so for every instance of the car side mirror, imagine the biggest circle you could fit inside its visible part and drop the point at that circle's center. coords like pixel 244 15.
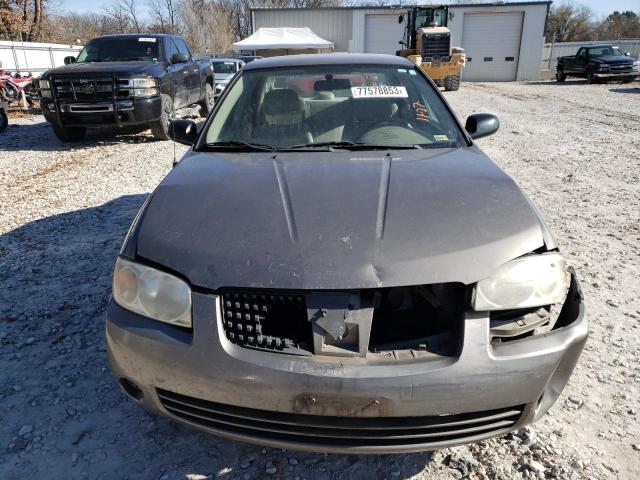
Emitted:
pixel 400 18
pixel 627 54
pixel 481 125
pixel 183 131
pixel 69 60
pixel 179 58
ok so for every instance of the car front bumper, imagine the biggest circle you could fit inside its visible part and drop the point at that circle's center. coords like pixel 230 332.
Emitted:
pixel 342 405
pixel 617 75
pixel 137 111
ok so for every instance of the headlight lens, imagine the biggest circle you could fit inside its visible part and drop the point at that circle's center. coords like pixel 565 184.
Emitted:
pixel 45 88
pixel 636 64
pixel 152 293
pixel 144 87
pixel 531 281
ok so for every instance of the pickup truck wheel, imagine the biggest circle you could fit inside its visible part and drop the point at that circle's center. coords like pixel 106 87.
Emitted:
pixel 209 100
pixel 4 120
pixel 439 82
pixel 452 82
pixel 591 78
pixel 160 129
pixel 69 134
pixel 561 76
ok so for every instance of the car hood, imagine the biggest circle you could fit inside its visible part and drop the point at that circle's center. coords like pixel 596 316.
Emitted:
pixel 223 77
pixel 337 220
pixel 614 59
pixel 104 67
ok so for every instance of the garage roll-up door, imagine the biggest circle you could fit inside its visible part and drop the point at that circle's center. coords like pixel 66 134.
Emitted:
pixel 382 34
pixel 492 44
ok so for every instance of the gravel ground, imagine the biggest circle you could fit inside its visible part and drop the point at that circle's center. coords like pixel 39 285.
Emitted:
pixel 65 209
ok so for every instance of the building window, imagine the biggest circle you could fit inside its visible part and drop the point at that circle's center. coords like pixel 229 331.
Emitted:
pixel 488 59
pixel 509 59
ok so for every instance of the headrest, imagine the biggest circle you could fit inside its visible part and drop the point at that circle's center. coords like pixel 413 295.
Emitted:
pixel 281 101
pixel 333 84
pixel 324 95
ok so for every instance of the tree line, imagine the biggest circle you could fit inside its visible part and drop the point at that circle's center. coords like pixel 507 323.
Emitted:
pixel 214 25
pixel 207 25
pixel 576 23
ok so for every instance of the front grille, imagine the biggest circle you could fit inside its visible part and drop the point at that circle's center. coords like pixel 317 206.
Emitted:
pixel 341 432
pixel 90 89
pixel 267 321
pixel 406 322
pixel 621 67
pixel 436 45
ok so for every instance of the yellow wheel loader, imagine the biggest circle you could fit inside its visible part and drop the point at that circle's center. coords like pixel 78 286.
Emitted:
pixel 427 42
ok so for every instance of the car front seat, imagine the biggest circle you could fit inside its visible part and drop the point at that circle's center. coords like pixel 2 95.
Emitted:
pixel 282 119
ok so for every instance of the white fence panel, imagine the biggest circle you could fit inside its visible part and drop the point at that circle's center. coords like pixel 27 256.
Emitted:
pixel 552 51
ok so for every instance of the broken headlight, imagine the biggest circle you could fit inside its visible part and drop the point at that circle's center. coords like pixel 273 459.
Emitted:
pixel 152 293
pixel 529 281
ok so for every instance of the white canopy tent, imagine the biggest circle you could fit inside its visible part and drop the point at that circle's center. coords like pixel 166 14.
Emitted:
pixel 283 38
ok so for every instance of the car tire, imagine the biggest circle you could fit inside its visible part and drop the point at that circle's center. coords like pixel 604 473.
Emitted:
pixel 439 82
pixel 560 75
pixel 4 120
pixel 452 82
pixel 160 128
pixel 70 134
pixel 209 100
pixel 591 78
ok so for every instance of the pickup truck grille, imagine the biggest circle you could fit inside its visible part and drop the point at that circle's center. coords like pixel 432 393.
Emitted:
pixel 436 45
pixel 621 67
pixel 89 89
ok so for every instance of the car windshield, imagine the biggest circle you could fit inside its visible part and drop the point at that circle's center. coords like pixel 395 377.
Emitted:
pixel 122 49
pixel 605 52
pixel 224 67
pixel 341 106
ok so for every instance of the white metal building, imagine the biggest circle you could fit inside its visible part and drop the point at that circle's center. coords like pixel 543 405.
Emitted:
pixel 503 41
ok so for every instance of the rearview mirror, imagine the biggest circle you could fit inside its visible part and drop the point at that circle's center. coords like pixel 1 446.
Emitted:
pixel 481 125
pixel 179 58
pixel 183 131
pixel 70 59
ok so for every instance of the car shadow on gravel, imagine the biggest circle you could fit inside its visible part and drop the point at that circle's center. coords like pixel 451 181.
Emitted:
pixel 40 137
pixel 626 90
pixel 56 280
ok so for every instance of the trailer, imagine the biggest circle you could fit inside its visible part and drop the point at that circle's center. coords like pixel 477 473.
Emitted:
pixel 33 59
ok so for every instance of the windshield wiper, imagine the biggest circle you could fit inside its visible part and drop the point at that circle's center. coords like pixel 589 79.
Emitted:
pixel 237 144
pixel 353 146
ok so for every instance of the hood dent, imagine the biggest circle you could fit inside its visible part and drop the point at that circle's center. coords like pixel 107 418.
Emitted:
pixel 340 220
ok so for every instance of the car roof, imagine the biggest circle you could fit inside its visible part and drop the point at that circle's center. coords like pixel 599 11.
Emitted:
pixel 221 59
pixel 601 45
pixel 328 59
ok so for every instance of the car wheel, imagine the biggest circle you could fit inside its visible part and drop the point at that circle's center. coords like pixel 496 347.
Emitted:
pixel 160 129
pixel 69 134
pixel 561 76
pixel 4 120
pixel 439 82
pixel 591 78
pixel 452 82
pixel 209 100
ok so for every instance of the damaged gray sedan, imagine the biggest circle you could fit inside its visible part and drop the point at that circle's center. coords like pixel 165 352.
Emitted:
pixel 336 266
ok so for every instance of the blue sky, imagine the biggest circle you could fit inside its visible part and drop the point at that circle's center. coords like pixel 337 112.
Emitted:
pixel 600 7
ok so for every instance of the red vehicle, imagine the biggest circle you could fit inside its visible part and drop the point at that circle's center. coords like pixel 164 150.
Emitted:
pixel 14 85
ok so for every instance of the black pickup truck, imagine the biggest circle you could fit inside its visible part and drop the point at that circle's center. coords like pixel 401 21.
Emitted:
pixel 598 62
pixel 125 81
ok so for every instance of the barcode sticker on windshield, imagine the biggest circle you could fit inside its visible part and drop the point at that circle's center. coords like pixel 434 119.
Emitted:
pixel 379 92
pixel 147 39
